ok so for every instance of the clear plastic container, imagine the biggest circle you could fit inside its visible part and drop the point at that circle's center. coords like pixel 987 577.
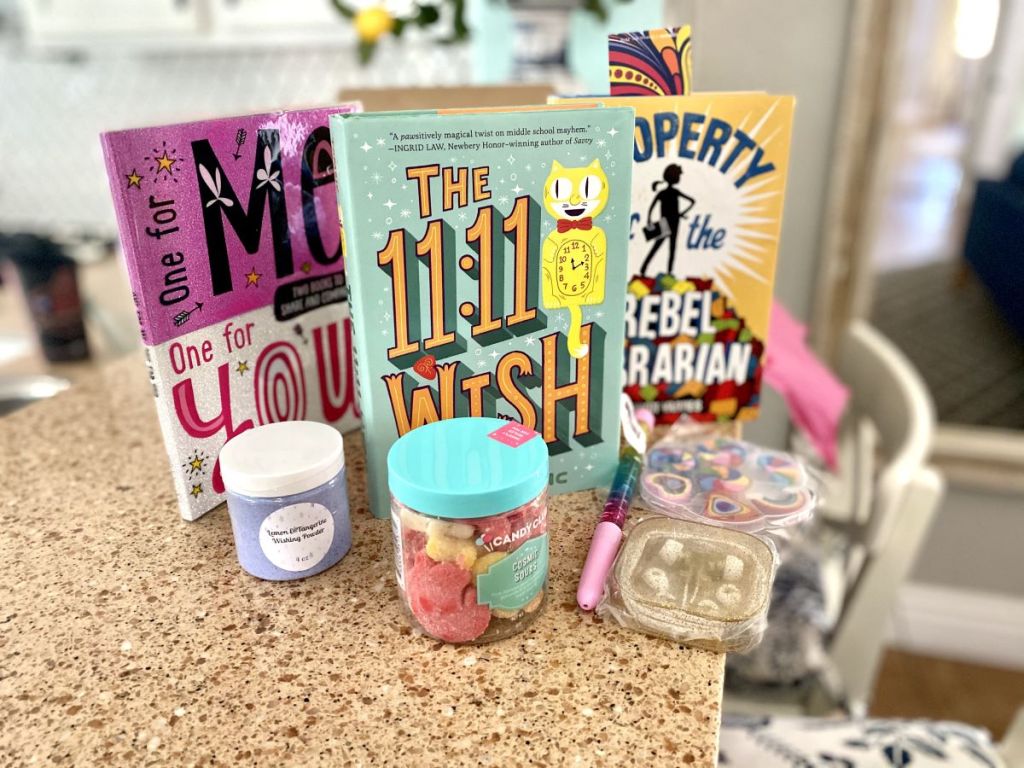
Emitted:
pixel 701 585
pixel 726 482
pixel 469 516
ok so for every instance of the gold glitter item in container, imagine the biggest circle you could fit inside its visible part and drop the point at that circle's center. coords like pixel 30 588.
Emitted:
pixel 700 585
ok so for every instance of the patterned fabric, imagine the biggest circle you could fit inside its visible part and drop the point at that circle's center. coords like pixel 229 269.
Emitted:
pixel 803 742
pixel 793 648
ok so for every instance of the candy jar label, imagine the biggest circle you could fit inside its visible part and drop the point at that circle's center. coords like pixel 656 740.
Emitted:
pixel 297 537
pixel 512 582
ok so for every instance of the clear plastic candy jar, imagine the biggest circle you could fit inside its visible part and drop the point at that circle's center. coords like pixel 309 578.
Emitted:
pixel 469 515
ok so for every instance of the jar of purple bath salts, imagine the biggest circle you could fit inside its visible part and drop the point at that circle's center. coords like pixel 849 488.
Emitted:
pixel 287 499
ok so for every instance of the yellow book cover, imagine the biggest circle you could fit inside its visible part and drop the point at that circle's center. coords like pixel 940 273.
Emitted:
pixel 709 182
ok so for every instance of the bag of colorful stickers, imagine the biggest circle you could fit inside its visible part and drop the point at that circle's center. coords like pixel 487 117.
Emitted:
pixel 691 568
pixel 726 482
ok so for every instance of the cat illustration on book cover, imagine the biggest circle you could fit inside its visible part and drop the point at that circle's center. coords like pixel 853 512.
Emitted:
pixel 575 251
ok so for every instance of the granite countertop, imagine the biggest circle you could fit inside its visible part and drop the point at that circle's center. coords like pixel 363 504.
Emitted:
pixel 130 637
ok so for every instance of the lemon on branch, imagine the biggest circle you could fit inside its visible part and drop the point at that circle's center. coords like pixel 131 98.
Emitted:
pixel 373 22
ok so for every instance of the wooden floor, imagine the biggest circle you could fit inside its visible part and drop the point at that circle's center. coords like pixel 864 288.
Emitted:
pixel 939 689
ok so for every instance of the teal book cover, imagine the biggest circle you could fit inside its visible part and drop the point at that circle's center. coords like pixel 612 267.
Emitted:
pixel 486 258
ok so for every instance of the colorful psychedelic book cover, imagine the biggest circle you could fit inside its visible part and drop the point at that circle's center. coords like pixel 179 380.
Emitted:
pixel 232 243
pixel 487 262
pixel 709 181
pixel 656 62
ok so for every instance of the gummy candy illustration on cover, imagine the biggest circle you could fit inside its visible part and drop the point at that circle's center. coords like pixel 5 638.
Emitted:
pixel 575 251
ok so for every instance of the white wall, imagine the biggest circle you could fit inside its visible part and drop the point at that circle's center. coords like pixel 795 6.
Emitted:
pixel 1000 128
pixel 931 77
pixel 975 543
pixel 965 599
pixel 55 105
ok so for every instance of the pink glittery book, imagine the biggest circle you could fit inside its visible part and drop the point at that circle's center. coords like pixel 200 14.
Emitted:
pixel 232 243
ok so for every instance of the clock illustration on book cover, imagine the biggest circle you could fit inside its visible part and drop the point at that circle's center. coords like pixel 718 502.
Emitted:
pixel 574 261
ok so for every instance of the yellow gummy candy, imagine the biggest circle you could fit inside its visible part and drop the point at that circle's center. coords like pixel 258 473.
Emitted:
pixel 413 521
pixel 484 563
pixel 444 549
pixel 530 607
pixel 450 529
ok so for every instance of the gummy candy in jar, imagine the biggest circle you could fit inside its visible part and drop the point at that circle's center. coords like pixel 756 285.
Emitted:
pixel 469 516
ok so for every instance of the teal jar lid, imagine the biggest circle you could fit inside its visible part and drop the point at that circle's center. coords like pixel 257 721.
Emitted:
pixel 467 467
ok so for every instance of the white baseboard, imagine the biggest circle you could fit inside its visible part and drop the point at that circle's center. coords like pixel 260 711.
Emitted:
pixel 978 627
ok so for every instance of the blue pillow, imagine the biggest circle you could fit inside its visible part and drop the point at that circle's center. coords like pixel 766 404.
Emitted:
pixel 1017 170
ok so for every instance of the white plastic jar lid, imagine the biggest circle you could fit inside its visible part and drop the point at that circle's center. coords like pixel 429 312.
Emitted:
pixel 282 459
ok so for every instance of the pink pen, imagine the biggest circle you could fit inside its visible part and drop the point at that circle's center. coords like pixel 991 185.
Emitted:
pixel 608 534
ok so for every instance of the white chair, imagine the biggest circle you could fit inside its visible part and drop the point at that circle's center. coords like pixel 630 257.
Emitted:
pixel 881 501
pixel 887 390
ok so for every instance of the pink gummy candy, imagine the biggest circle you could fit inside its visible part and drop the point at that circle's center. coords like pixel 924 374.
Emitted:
pixel 531 515
pixel 443 600
pixel 413 542
pixel 529 519
pixel 493 529
pixel 525 522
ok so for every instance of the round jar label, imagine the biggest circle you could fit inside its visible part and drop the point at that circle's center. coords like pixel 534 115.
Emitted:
pixel 297 537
